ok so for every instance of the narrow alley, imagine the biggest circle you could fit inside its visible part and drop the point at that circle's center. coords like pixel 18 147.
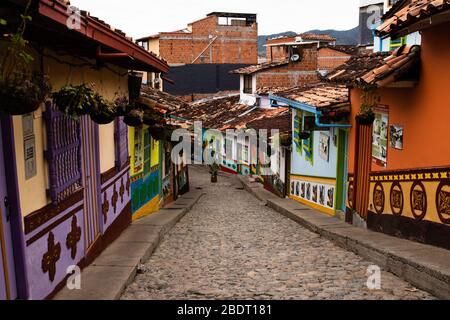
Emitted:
pixel 230 246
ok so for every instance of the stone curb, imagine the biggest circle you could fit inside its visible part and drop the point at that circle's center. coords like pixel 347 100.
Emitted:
pixel 426 267
pixel 116 267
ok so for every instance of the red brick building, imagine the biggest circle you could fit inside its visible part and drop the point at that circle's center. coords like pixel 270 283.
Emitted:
pixel 220 37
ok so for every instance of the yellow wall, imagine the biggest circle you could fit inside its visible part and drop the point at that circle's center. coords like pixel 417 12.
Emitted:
pixel 107 83
pixel 106 147
pixel 153 46
pixel 154 157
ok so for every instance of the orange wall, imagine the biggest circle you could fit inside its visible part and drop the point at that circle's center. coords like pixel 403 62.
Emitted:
pixel 424 111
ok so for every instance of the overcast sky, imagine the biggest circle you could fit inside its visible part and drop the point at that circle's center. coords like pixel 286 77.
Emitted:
pixel 145 17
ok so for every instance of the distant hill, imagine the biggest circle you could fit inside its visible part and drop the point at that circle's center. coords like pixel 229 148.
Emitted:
pixel 342 37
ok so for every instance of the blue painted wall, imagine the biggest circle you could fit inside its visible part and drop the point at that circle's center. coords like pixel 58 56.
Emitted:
pixel 320 167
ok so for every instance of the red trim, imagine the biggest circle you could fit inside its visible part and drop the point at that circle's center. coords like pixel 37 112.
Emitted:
pixel 102 34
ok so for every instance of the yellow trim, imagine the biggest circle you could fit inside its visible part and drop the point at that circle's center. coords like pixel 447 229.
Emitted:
pixel 151 207
pixel 4 259
pixel 313 179
pixel 131 135
pixel 313 205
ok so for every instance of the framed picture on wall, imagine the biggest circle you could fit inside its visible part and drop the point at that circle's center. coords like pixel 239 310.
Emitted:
pixel 396 132
pixel 380 135
pixel 324 146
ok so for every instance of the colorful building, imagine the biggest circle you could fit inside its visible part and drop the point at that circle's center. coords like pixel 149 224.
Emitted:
pixel 65 184
pixel 398 156
pixel 319 139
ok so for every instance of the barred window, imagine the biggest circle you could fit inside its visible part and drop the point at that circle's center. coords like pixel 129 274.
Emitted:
pixel 63 154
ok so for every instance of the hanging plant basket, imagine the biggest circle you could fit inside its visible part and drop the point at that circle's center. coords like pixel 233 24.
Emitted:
pixel 365 118
pixel 157 133
pixel 122 106
pixel 304 135
pixel 104 113
pixel 76 101
pixel 134 118
pixel 20 95
pixel 286 140
pixel 134 85
pixel 149 120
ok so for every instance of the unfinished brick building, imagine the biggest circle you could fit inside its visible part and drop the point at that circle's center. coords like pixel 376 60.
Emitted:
pixel 202 55
pixel 220 37
pixel 294 61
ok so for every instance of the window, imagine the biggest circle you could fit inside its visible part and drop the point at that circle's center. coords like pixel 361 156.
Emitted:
pixel 248 84
pixel 121 142
pixel 63 154
pixel 396 43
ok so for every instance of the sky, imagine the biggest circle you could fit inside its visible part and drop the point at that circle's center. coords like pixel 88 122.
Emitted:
pixel 139 18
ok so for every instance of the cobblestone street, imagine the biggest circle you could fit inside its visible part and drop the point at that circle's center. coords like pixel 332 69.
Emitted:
pixel 230 246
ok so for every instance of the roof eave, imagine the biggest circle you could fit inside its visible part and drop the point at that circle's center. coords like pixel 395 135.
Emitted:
pixel 98 32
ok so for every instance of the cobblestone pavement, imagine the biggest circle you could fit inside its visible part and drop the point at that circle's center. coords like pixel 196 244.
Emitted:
pixel 230 246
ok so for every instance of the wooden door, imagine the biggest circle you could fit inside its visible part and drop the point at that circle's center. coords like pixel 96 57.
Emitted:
pixel 363 162
pixel 8 288
pixel 91 181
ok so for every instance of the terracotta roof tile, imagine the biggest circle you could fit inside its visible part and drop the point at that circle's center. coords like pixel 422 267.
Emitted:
pixel 317 37
pixel 378 69
pixel 160 101
pixel 260 67
pixel 321 96
pixel 402 17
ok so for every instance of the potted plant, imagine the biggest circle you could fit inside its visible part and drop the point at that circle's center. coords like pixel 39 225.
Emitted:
pixel 304 135
pixel 157 132
pixel 214 170
pixel 104 112
pixel 76 101
pixel 122 105
pixel 134 117
pixel 21 90
pixel 366 116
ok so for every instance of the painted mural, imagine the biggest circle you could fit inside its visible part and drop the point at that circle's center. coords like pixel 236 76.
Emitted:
pixel 144 172
pixel 315 167
pixel 408 203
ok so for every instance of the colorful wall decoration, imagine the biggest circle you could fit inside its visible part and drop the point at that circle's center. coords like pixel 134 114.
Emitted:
pixel 145 172
pixel 315 192
pixel 380 135
pixel 413 204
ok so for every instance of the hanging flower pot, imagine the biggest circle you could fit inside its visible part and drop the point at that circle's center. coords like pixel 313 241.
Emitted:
pixel 104 114
pixel 20 95
pixel 76 101
pixel 134 85
pixel 366 118
pixel 149 120
pixel 157 132
pixel 134 118
pixel 122 106
pixel 304 135
pixel 286 140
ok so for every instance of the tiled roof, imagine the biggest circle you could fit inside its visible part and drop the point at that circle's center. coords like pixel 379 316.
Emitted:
pixel 260 67
pixel 213 112
pixel 378 69
pixel 321 96
pixel 356 67
pixel 93 31
pixel 406 16
pixel 348 49
pixel 259 118
pixel 317 37
pixel 282 121
pixel 160 101
pixel 227 113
